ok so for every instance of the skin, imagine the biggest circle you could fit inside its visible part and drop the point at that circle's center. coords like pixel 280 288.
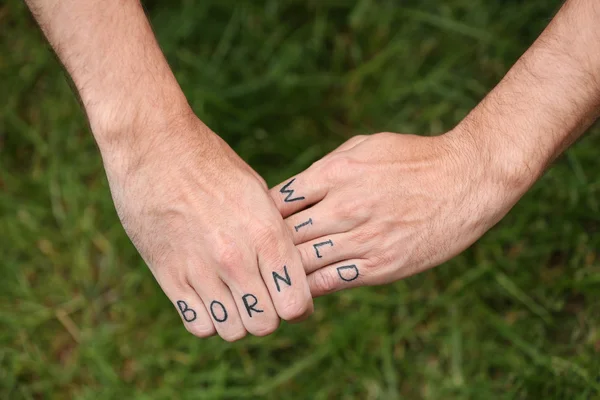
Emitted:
pixel 393 205
pixel 200 217
pixel 377 209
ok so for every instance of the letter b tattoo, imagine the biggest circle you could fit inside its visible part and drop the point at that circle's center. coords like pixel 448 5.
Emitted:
pixel 187 313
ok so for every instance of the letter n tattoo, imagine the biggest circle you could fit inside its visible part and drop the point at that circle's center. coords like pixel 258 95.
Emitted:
pixel 277 278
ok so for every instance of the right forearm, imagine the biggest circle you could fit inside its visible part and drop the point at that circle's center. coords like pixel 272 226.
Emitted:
pixel 108 48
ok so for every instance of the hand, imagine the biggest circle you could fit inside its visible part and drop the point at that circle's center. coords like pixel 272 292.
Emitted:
pixel 383 207
pixel 203 221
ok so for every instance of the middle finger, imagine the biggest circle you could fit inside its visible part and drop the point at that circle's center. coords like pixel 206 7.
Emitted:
pixel 317 221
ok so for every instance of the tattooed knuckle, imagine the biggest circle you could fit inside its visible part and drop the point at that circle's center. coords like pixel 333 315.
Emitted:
pixel 325 283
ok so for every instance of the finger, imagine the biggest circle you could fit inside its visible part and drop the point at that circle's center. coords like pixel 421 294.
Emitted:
pixel 299 192
pixel 221 306
pixel 335 277
pixel 283 274
pixel 189 306
pixel 319 220
pixel 250 294
pixel 330 249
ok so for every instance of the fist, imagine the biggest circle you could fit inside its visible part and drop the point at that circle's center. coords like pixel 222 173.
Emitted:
pixel 203 221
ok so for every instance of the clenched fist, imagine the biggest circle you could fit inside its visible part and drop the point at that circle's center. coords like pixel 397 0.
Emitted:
pixel 203 221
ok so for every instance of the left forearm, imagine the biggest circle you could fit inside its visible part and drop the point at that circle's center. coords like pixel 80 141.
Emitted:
pixel 545 102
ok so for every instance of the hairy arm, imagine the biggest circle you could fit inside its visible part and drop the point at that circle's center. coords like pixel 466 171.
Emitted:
pixel 200 217
pixel 383 207
pixel 545 102
pixel 111 54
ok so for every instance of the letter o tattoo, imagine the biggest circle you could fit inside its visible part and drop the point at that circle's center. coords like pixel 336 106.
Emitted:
pixel 212 311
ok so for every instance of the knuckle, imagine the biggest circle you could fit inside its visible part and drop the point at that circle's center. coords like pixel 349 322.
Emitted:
pixel 173 275
pixel 266 235
pixel 363 235
pixel 337 167
pixel 351 209
pixel 376 262
pixel 270 245
pixel 325 282
pixel 229 259
pixel 295 307
pixel 383 135
pixel 261 181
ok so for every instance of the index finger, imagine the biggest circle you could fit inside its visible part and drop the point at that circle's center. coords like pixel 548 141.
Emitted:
pixel 298 193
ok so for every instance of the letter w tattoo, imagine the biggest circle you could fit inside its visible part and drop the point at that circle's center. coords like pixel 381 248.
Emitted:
pixel 289 192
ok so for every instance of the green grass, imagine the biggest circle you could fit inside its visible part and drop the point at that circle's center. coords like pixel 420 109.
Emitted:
pixel 517 316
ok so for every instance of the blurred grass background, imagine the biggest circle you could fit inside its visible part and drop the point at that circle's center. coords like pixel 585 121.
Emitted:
pixel 515 317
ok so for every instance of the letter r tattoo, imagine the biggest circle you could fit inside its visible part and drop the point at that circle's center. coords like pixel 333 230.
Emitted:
pixel 251 306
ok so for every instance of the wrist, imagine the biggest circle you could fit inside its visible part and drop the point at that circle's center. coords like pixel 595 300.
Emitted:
pixel 121 121
pixel 500 153
pixel 149 137
pixel 497 171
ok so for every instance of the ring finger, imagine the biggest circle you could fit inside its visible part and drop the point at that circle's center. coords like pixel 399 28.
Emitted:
pixel 330 249
pixel 252 298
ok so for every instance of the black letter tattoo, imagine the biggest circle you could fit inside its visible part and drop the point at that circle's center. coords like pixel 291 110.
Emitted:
pixel 317 245
pixel 251 306
pixel 287 278
pixel 212 311
pixel 309 222
pixel 348 278
pixel 183 307
pixel 289 192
